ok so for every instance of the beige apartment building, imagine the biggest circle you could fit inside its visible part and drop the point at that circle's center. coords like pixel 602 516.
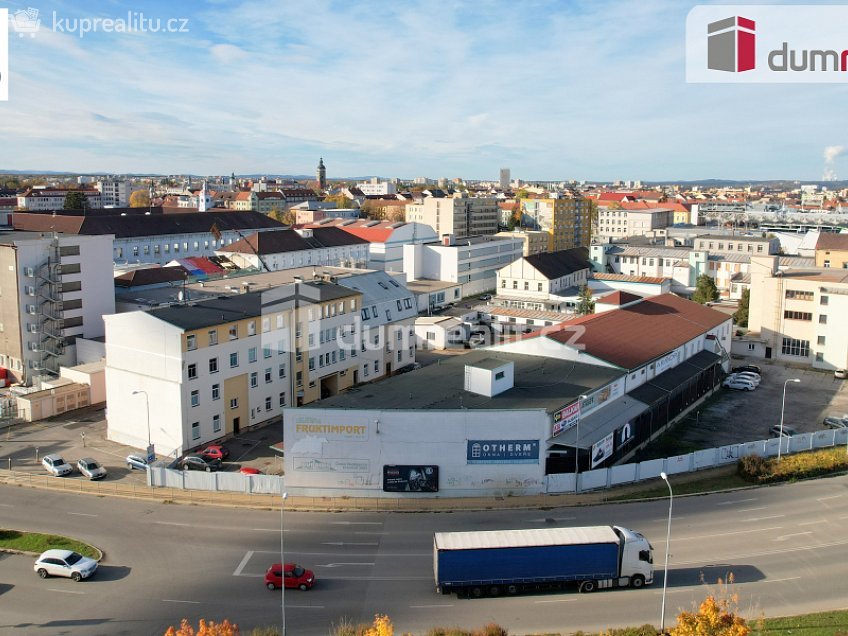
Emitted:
pixel 535 241
pixel 797 315
pixel 460 215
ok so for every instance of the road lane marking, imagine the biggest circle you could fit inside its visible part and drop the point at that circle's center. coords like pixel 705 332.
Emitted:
pixel 736 501
pixel 764 518
pixel 243 563
pixel 7 505
pixel 559 600
pixel 346 543
pixel 173 523
pixel 305 606
pixel 547 519
pixel 429 606
pixel 784 537
pixel 81 514
pixel 266 530
pixel 812 523
pixel 53 589
pixel 725 534
pixel 337 565
pixel 790 578
pixel 173 600
pixel 356 523
pixel 752 509
pixel 826 498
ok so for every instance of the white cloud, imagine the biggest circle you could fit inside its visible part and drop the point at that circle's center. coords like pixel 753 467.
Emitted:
pixel 227 53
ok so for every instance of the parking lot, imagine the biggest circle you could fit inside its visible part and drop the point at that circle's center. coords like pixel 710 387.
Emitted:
pixel 83 434
pixel 732 417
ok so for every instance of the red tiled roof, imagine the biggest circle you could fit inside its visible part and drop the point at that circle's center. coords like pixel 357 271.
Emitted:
pixel 831 241
pixel 614 196
pixel 632 336
pixel 619 298
pixel 375 234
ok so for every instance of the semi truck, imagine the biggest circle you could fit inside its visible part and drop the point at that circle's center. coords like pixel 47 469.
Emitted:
pixel 495 562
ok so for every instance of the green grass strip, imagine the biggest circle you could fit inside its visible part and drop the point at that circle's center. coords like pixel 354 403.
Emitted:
pixel 37 542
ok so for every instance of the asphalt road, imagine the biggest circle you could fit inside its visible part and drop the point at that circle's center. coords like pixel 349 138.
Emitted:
pixel 784 545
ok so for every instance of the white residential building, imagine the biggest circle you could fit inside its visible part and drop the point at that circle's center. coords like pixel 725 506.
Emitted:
pixel 375 187
pixel 473 262
pixel 114 193
pixel 42 198
pixel 55 288
pixel 543 282
pixel 460 215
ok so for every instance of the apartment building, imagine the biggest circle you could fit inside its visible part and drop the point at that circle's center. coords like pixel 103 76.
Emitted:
pixel 797 315
pixel 566 220
pixel 43 198
pixel 375 187
pixel 156 237
pixel 472 262
pixel 535 241
pixel 460 215
pixel 543 282
pixel 55 288
pixel 114 193
pixel 617 223
pixel 746 245
pixel 832 250
pixel 185 376
pixel 288 249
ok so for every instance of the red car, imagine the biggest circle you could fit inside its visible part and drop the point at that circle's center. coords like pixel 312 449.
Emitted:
pixel 215 451
pixel 296 576
pixel 249 470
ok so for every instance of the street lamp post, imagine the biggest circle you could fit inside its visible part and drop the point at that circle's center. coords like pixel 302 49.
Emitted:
pixel 667 542
pixel 576 441
pixel 782 408
pixel 283 563
pixel 147 412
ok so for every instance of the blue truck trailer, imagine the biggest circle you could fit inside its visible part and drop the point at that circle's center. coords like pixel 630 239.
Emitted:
pixel 495 562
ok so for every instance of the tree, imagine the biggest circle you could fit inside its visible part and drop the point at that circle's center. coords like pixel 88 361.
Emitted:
pixel 585 304
pixel 204 628
pixel 140 199
pixel 741 315
pixel 705 290
pixel 74 200
pixel 286 217
pixel 397 215
pixel 340 201
pixel 522 194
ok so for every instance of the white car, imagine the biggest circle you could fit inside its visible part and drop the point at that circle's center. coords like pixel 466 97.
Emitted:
pixel 753 378
pixel 136 462
pixel 91 468
pixel 65 563
pixel 739 384
pixel 56 466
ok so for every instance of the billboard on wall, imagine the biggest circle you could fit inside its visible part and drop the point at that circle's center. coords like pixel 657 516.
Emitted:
pixel 509 451
pixel 602 450
pixel 566 417
pixel 410 479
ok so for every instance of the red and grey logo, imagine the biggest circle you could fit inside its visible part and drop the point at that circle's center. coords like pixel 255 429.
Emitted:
pixel 731 45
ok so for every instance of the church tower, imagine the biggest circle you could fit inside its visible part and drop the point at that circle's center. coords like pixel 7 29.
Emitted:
pixel 322 174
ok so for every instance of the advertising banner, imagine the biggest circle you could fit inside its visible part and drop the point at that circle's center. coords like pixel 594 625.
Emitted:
pixel 509 451
pixel 602 450
pixel 566 417
pixel 410 479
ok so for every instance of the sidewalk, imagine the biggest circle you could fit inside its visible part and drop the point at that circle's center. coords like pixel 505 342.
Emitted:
pixel 342 504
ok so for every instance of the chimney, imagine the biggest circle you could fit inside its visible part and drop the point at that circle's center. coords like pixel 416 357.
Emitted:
pixel 448 240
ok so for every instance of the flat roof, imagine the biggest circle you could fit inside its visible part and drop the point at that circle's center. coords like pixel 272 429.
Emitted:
pixel 421 286
pixel 540 383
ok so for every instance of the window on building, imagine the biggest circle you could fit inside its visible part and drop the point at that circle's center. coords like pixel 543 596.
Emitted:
pixel 195 398
pixel 281 371
pixel 793 347
pixel 266 351
pixel 299 378
pixel 233 332
pixel 503 283
pixel 213 365
pixel 821 340
pixel 751 346
pixel 254 379
pixel 365 370
pixel 312 364
pixel 192 372
pixel 827 263
pixel 216 391
pixel 234 359
pixel 797 315
pixel 213 337
pixel 823 319
pixel 251 354
pixel 798 294
pixel 234 403
pixel 376 366
pixel 267 403
pixel 819 357
pixel 823 300
pixel 216 423
pixel 195 430
pixel 268 375
pixel 191 342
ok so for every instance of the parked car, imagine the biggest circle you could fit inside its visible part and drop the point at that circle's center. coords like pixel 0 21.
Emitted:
pixel 738 384
pixel 91 468
pixel 836 422
pixel 215 451
pixel 136 462
pixel 65 563
pixel 747 367
pixel 840 374
pixel 296 576
pixel 753 378
pixel 249 470
pixel 486 297
pixel 477 340
pixel 198 462
pixel 56 466
pixel 788 431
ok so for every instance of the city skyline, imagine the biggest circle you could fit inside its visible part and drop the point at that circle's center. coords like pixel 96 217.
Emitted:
pixel 551 90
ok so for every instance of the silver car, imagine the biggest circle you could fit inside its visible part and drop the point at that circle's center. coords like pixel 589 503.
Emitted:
pixel 56 466
pixel 91 468
pixel 65 563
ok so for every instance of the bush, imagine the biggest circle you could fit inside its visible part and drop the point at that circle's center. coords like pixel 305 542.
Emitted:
pixel 797 466
pixel 265 631
pixel 752 468
pixel 644 630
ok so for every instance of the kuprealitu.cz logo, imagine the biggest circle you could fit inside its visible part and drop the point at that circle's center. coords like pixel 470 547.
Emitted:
pixel 767 44
pixel 28 22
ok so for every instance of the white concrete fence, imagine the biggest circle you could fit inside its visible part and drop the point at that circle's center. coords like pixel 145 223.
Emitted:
pixel 559 483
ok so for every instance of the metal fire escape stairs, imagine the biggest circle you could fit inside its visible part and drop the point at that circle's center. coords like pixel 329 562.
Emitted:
pixel 51 344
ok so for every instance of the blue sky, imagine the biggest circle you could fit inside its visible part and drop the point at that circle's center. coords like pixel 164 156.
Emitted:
pixel 551 89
